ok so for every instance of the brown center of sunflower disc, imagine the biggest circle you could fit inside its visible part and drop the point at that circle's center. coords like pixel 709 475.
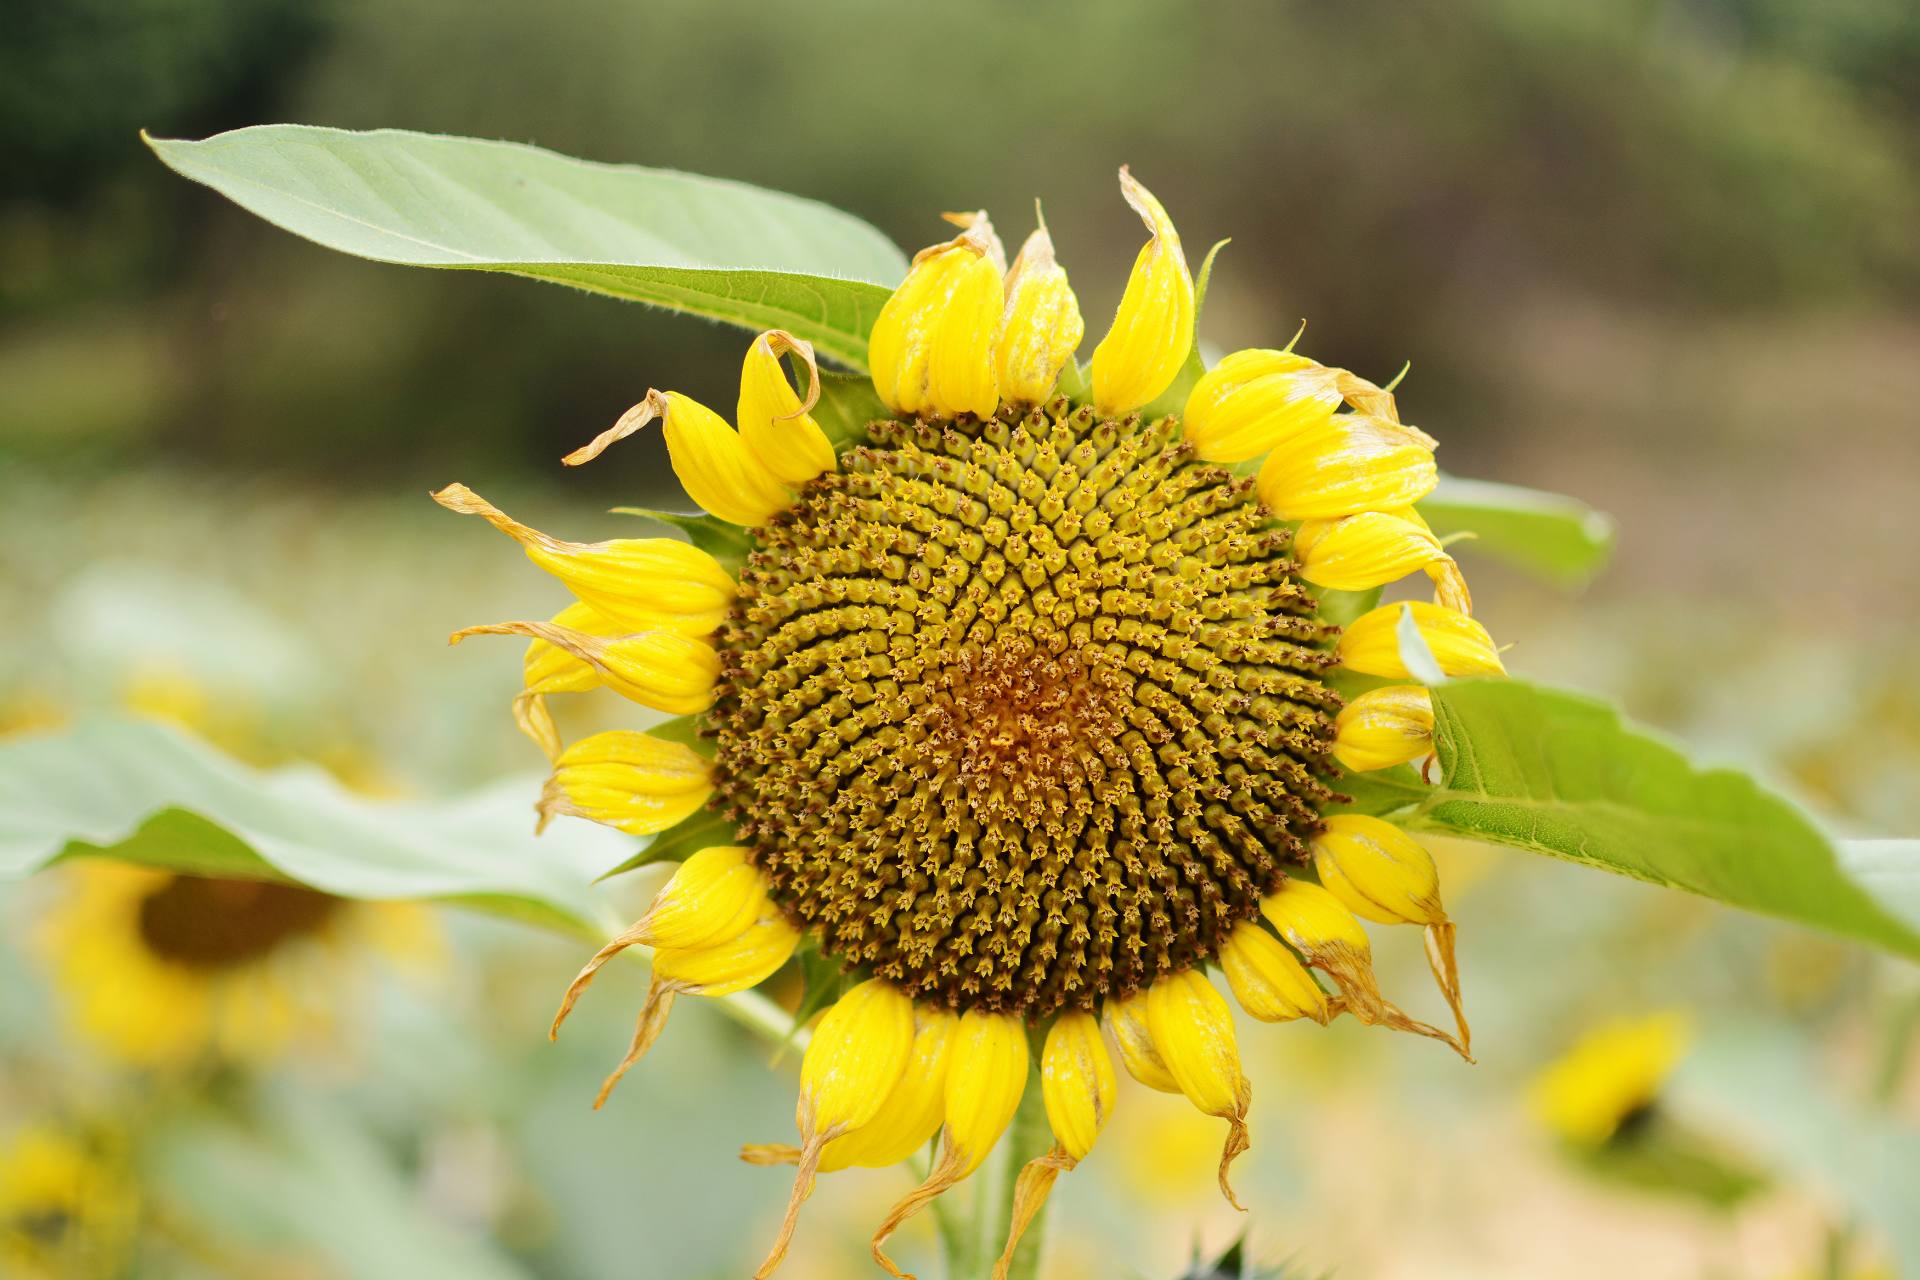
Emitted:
pixel 1026 712
pixel 205 923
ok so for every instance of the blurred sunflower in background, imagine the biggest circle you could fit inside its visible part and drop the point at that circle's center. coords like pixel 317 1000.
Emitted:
pixel 160 970
pixel 1015 692
pixel 1610 1077
pixel 67 1207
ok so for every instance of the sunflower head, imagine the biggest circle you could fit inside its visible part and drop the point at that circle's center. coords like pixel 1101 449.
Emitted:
pixel 1021 705
pixel 161 970
pixel 66 1205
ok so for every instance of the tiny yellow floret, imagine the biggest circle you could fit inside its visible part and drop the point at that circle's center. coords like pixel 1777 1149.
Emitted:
pixel 1153 329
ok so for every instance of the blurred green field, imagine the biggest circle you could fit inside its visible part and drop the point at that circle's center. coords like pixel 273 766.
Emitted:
pixel 1660 255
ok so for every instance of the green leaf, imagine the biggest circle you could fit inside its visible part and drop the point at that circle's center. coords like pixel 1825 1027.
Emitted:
pixel 731 252
pixel 845 408
pixel 147 793
pixel 676 843
pixel 1561 774
pixel 1559 538
pixel 305 1177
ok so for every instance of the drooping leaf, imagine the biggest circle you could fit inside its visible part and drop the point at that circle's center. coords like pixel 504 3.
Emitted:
pixel 732 252
pixel 1561 774
pixel 146 793
pixel 1559 538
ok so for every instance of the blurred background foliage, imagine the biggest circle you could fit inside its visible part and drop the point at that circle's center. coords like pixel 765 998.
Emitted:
pixel 1659 253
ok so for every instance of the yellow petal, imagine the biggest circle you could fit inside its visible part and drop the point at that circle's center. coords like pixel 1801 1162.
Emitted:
pixel 1127 1020
pixel 548 670
pixel 643 584
pixel 779 432
pixel 1361 552
pixel 713 897
pixel 854 1060
pixel 1268 981
pixel 1321 928
pixel 660 669
pixel 913 1110
pixel 1384 727
pixel 1347 464
pixel 1255 400
pixel 1193 1030
pixel 932 349
pixel 1077 1081
pixel 1378 871
pixel 1371 643
pixel 985 1079
pixel 714 464
pixel 1153 329
pixel 630 781
pixel 1078 1087
pixel 986 1075
pixel 743 961
pixel 1040 326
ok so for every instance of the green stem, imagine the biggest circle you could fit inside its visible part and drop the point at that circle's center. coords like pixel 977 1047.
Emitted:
pixel 956 1238
pixel 971 1238
pixel 1896 1050
pixel 1029 1139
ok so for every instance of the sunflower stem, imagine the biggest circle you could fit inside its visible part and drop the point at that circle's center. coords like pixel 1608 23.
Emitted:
pixel 1027 1138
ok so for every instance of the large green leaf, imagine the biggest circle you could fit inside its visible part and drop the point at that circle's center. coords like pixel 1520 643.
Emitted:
pixel 146 793
pixel 1561 774
pixel 735 253
pixel 1555 536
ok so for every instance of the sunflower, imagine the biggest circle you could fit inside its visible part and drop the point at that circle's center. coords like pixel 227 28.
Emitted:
pixel 1019 704
pixel 66 1209
pixel 1610 1077
pixel 161 970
